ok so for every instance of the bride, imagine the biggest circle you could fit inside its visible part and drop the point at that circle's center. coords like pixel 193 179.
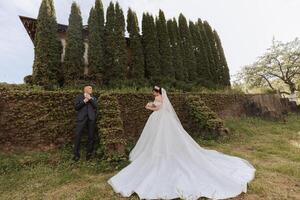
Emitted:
pixel 167 163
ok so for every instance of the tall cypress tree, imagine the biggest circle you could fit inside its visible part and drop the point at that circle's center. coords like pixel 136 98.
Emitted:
pixel 40 75
pixel 73 65
pixel 96 43
pixel 200 54
pixel 110 45
pixel 208 51
pixel 47 62
pixel 55 68
pixel 216 68
pixel 151 50
pixel 115 46
pixel 121 51
pixel 166 67
pixel 136 65
pixel 224 75
pixel 176 49
pixel 189 61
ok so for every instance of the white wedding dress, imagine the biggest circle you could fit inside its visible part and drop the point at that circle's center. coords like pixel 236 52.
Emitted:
pixel 167 163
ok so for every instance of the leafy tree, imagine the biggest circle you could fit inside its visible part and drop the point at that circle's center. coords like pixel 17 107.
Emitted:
pixel 189 61
pixel 96 43
pixel 281 63
pixel 136 65
pixel 73 65
pixel 47 60
pixel 151 49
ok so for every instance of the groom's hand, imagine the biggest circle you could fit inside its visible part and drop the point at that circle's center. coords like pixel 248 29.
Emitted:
pixel 85 100
pixel 88 97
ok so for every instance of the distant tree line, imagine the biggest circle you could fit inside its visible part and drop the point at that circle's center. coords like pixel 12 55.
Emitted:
pixel 169 52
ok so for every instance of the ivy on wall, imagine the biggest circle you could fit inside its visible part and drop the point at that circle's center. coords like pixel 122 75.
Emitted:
pixel 33 118
pixel 110 125
pixel 37 118
pixel 209 125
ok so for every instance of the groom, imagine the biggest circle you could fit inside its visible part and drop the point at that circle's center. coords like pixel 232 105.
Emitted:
pixel 86 106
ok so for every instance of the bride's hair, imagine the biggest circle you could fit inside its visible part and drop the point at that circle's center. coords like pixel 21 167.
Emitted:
pixel 157 89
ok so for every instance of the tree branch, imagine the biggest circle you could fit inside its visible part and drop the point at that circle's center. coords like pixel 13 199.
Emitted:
pixel 269 83
pixel 280 66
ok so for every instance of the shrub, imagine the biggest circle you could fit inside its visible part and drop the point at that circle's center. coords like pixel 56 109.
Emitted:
pixel 207 120
pixel 28 80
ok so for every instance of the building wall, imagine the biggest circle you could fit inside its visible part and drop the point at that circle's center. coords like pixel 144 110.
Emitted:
pixel 63 40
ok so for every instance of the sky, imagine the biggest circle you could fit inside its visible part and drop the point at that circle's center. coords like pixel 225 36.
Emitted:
pixel 246 27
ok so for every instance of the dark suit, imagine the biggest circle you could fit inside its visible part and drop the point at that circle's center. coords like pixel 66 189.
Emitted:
pixel 86 114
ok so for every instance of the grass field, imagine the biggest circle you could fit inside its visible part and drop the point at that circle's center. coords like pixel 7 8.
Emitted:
pixel 272 147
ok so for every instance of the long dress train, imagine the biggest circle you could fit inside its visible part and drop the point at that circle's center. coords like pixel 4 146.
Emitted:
pixel 167 163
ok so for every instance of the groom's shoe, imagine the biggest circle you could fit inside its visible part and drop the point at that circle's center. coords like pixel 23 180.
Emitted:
pixel 75 158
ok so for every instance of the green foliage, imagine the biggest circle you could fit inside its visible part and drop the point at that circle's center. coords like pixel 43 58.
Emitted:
pixel 5 87
pixel 115 46
pixel 215 68
pixel 189 61
pixel 165 59
pixel 38 116
pixel 224 71
pixel 180 56
pixel 110 44
pixel 46 66
pixel 208 122
pixel 59 159
pixel 96 43
pixel 110 126
pixel 73 65
pixel 53 119
pixel 175 42
pixel 121 51
pixel 208 54
pixel 151 49
pixel 28 80
pixel 136 64
pixel 203 70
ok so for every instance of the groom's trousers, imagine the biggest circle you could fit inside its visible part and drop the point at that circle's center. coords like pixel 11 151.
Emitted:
pixel 91 135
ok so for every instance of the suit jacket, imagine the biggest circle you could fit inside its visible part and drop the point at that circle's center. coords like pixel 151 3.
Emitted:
pixel 88 109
